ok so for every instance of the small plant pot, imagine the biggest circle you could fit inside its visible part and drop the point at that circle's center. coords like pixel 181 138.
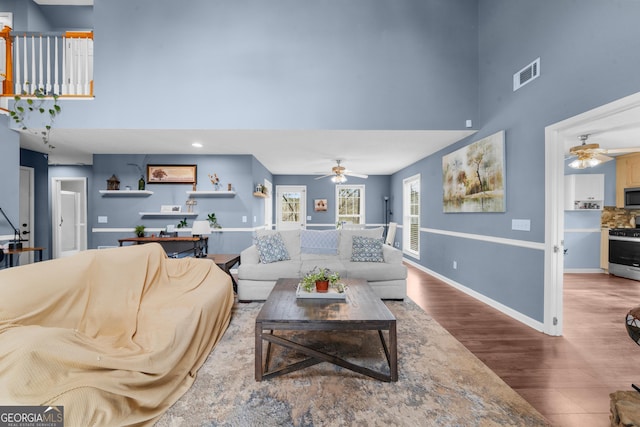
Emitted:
pixel 322 286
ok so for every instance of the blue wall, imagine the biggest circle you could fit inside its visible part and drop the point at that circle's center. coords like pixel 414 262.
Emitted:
pixel 9 176
pixel 582 228
pixel 41 228
pixel 376 188
pixel 579 71
pixel 284 64
pixel 241 171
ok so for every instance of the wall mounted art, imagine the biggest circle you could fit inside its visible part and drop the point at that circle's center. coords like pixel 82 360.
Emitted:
pixel 473 177
pixel 171 174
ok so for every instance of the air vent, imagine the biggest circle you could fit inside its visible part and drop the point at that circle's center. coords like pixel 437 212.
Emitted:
pixel 526 75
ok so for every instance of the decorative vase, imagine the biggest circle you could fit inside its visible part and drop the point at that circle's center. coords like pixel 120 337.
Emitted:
pixel 141 183
pixel 322 286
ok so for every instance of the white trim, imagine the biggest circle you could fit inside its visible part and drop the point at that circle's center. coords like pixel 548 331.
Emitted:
pixel 585 270
pixel 491 239
pixel 179 230
pixel 603 118
pixel 583 230
pixel 6 237
pixel 532 323
pixel 406 202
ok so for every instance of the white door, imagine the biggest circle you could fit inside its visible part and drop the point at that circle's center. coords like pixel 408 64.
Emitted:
pixel 69 216
pixel 291 202
pixel 268 206
pixel 69 223
pixel 25 220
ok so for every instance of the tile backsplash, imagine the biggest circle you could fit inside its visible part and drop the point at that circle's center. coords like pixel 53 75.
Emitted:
pixel 613 217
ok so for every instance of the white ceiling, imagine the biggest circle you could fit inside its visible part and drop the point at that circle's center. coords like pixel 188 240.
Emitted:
pixel 621 130
pixel 282 152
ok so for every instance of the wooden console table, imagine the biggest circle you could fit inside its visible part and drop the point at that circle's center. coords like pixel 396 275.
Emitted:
pixel 199 243
pixel 8 261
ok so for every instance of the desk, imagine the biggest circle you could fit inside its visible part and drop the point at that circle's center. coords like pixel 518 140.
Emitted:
pixel 225 262
pixel 11 252
pixel 199 243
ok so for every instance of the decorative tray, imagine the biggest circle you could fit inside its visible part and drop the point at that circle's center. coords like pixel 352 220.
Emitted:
pixel 332 293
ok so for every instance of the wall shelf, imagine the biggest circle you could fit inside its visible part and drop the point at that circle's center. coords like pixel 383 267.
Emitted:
pixel 126 193
pixel 259 194
pixel 212 193
pixel 169 214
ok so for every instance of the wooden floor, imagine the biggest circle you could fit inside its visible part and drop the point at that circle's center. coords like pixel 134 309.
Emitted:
pixel 569 378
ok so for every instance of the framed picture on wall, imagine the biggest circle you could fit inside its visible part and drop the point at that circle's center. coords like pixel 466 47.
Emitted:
pixel 473 177
pixel 171 174
pixel 320 205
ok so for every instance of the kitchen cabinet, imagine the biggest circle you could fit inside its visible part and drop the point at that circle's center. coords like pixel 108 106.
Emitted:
pixel 604 249
pixel 584 191
pixel 627 175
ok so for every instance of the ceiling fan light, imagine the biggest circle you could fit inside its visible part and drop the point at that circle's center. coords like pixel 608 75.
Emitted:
pixel 578 164
pixel 338 179
pixel 594 162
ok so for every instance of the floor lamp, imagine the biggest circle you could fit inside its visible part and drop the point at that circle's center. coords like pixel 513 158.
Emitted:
pixel 16 243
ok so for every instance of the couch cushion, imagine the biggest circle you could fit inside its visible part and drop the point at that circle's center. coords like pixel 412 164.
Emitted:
pixel 345 246
pixel 366 249
pixel 273 271
pixel 291 239
pixel 375 271
pixel 319 242
pixel 271 249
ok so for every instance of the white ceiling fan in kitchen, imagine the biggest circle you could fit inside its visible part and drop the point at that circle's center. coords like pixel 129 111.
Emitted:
pixel 590 155
pixel 339 174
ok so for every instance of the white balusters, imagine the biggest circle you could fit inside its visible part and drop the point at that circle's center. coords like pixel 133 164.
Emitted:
pixel 61 65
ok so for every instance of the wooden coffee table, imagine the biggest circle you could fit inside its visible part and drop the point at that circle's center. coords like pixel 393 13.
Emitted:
pixel 362 310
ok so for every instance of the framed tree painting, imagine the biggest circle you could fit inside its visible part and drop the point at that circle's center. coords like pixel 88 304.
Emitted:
pixel 473 177
pixel 171 174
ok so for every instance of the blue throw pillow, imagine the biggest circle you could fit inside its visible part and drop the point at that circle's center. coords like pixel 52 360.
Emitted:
pixel 271 248
pixel 319 242
pixel 366 249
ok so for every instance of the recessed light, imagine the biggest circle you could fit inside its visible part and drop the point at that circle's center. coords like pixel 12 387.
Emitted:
pixel 197 145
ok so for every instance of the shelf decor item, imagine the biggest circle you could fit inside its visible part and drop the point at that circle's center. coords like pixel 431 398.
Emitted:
pixel 113 183
pixel 215 181
pixel 139 230
pixel 171 174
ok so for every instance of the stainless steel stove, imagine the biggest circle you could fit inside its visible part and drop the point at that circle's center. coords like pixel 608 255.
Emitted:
pixel 624 252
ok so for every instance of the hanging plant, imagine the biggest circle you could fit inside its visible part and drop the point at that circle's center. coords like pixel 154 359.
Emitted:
pixel 25 105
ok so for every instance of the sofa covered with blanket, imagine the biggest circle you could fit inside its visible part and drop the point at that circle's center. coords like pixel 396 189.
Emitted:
pixel 115 336
pixel 293 253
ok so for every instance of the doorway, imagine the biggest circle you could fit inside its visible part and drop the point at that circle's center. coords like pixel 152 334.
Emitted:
pixel 624 112
pixel 25 215
pixel 69 216
pixel 291 202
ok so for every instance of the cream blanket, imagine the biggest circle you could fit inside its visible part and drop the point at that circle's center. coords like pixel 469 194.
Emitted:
pixel 115 335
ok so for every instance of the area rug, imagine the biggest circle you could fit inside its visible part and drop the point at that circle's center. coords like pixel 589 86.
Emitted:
pixel 440 382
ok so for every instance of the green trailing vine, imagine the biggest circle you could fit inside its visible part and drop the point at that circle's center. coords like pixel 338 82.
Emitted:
pixel 25 105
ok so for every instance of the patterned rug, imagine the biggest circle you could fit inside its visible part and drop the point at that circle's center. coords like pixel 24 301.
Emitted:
pixel 440 382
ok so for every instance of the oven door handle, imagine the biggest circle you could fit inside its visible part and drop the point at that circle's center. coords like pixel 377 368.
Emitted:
pixel 625 239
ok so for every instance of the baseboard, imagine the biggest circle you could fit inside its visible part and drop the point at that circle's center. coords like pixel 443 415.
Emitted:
pixel 585 270
pixel 526 320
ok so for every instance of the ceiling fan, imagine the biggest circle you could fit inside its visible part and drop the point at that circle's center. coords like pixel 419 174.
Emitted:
pixel 339 174
pixel 590 155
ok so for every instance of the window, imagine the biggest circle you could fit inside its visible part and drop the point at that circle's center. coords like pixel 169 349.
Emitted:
pixel 411 215
pixel 350 204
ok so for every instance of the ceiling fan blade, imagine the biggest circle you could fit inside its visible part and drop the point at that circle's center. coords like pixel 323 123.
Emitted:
pixel 602 157
pixel 622 150
pixel 324 176
pixel 357 175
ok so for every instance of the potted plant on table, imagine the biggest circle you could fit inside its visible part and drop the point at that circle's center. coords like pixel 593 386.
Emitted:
pixel 320 279
pixel 139 230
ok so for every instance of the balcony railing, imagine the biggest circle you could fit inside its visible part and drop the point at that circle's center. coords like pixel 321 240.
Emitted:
pixel 59 64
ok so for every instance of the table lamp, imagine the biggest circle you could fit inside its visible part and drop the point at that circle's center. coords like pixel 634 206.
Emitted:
pixel 199 229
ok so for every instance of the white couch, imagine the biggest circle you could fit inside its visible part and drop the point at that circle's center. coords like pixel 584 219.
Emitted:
pixel 256 278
